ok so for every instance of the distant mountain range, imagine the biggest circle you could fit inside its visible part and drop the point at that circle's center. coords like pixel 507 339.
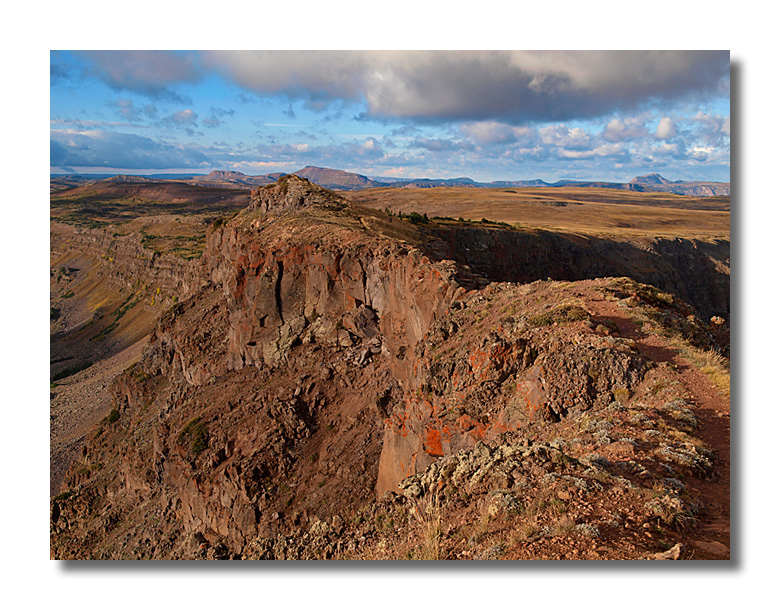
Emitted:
pixel 337 179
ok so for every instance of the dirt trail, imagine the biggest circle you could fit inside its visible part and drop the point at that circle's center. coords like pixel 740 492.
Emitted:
pixel 77 403
pixel 713 412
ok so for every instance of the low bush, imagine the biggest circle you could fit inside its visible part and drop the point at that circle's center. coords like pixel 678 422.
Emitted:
pixel 195 436
pixel 562 313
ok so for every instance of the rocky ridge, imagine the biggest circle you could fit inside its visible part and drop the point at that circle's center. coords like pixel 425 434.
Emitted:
pixel 323 353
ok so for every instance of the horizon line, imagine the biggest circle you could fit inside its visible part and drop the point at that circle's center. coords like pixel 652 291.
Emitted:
pixel 393 178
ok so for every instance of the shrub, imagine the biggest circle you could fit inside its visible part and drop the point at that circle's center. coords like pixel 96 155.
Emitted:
pixel 672 511
pixel 195 435
pixel 621 394
pixel 587 529
pixel 418 219
pixel 562 313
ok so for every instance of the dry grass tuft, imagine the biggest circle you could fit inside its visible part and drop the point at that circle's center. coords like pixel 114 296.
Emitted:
pixel 429 517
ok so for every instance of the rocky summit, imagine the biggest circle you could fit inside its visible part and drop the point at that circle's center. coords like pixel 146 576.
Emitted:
pixel 338 382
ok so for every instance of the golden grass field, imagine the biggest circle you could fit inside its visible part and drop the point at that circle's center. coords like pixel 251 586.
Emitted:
pixel 591 211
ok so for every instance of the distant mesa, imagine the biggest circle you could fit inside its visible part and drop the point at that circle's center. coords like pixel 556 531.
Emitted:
pixel 651 179
pixel 235 179
pixel 125 178
pixel 337 179
pixel 225 175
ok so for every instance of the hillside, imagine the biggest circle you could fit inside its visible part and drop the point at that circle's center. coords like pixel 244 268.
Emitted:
pixel 334 381
pixel 116 201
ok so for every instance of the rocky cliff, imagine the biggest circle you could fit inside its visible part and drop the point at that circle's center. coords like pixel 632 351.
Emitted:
pixel 695 270
pixel 126 259
pixel 108 291
pixel 329 353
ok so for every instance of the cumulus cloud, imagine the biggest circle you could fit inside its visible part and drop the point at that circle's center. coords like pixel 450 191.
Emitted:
pixel 371 148
pixel 126 108
pixel 97 148
pixel 574 138
pixel 343 155
pixel 713 129
pixel 621 129
pixel 511 86
pixel 494 132
pixel 216 115
pixel 182 118
pixel 666 129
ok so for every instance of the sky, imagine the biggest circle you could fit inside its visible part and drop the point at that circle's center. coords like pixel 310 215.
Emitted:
pixel 488 115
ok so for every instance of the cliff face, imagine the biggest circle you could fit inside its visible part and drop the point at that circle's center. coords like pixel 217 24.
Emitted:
pixel 108 291
pixel 126 260
pixel 281 293
pixel 319 362
pixel 478 381
pixel 694 270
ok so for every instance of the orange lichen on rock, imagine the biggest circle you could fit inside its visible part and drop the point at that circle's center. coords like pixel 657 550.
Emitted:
pixel 432 443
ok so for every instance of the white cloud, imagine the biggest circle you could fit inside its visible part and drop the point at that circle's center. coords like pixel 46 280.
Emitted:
pixel 182 117
pixel 714 129
pixel 562 136
pixel 666 129
pixel 610 150
pixel 495 132
pixel 626 128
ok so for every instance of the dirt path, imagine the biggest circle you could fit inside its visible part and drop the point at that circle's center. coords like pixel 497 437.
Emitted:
pixel 712 539
pixel 77 403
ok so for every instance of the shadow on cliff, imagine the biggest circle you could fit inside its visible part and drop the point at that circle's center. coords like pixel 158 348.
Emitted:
pixel 696 271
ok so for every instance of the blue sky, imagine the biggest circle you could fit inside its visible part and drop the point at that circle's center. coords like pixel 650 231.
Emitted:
pixel 487 115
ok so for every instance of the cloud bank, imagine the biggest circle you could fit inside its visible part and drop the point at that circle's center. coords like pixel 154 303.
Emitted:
pixel 435 86
pixel 98 148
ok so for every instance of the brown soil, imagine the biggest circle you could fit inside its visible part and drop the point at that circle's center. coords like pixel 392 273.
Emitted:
pixel 713 412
